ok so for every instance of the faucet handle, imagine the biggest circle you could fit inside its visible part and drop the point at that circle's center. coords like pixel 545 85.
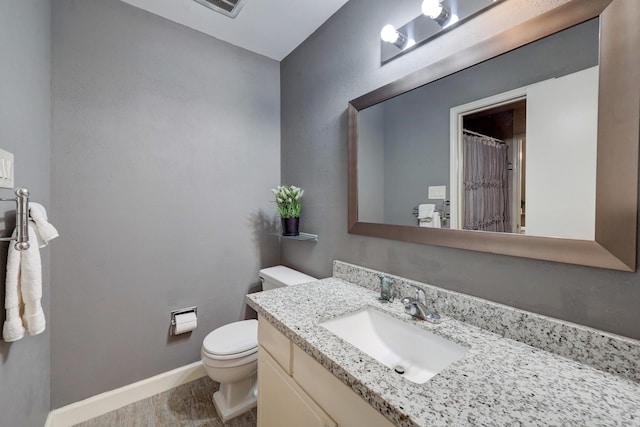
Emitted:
pixel 419 290
pixel 439 306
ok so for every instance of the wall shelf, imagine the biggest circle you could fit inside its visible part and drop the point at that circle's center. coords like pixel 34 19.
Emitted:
pixel 301 236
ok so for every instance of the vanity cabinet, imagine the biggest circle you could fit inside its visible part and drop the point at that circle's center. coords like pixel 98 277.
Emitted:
pixel 295 390
pixel 283 402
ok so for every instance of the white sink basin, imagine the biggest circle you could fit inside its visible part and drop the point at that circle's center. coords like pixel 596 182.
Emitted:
pixel 394 343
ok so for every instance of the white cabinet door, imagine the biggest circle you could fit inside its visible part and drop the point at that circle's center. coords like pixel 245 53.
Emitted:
pixel 346 408
pixel 281 402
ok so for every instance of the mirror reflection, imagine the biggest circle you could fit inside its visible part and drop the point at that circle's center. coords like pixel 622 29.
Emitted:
pixel 508 145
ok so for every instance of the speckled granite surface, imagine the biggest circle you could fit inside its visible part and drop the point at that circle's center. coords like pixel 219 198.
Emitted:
pixel 602 350
pixel 499 381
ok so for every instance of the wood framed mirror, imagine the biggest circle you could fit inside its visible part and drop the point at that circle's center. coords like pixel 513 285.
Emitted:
pixel 616 148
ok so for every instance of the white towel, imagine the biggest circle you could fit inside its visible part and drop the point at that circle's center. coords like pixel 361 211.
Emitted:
pixel 23 292
pixel 426 210
pixel 13 329
pixel 45 231
pixel 436 220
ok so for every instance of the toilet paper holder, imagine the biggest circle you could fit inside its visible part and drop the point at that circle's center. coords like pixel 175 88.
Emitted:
pixel 174 313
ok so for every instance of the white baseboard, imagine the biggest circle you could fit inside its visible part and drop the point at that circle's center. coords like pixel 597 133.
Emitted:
pixel 111 400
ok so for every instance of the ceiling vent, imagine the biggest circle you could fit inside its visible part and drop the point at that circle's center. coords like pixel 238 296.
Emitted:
pixel 229 8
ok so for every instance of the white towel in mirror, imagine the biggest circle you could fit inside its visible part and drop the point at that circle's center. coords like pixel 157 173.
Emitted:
pixel 426 210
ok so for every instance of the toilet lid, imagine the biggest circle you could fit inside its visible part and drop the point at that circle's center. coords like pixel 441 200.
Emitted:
pixel 237 337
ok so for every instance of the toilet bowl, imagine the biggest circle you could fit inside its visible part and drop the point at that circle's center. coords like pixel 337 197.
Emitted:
pixel 230 353
pixel 230 357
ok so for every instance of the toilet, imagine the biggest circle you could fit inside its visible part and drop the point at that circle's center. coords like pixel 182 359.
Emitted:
pixel 230 353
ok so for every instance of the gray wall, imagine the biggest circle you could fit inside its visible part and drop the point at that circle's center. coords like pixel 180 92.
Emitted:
pixel 25 95
pixel 371 164
pixel 416 150
pixel 340 62
pixel 165 147
pixel 417 124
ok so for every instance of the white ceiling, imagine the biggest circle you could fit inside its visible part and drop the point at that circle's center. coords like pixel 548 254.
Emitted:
pixel 272 28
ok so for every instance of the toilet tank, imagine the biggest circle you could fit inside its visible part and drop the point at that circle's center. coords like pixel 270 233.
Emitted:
pixel 280 276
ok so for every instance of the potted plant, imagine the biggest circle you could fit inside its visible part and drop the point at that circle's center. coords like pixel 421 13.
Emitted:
pixel 289 203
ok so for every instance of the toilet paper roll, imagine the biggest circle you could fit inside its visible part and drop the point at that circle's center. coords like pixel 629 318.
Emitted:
pixel 185 322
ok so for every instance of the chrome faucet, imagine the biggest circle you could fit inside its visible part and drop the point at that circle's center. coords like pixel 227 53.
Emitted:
pixel 416 308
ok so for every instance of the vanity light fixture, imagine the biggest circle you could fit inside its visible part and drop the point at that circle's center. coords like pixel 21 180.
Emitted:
pixel 436 17
pixel 389 34
pixel 435 10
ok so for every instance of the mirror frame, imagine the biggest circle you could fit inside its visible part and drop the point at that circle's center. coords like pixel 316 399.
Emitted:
pixel 615 241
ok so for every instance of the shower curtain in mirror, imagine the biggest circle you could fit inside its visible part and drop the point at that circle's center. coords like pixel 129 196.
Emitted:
pixel 486 188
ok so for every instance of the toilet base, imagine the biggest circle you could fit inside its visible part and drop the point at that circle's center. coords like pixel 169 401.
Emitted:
pixel 235 399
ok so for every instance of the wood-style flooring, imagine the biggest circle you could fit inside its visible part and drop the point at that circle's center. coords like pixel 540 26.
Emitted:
pixel 188 405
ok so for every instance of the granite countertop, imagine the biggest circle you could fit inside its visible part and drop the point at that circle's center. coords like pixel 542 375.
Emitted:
pixel 499 381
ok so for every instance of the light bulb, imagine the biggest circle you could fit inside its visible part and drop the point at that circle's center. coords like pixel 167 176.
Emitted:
pixel 432 8
pixel 389 34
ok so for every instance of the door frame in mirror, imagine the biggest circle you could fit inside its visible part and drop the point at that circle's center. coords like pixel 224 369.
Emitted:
pixel 615 243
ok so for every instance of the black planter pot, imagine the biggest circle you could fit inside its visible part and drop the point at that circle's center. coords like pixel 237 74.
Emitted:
pixel 290 226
